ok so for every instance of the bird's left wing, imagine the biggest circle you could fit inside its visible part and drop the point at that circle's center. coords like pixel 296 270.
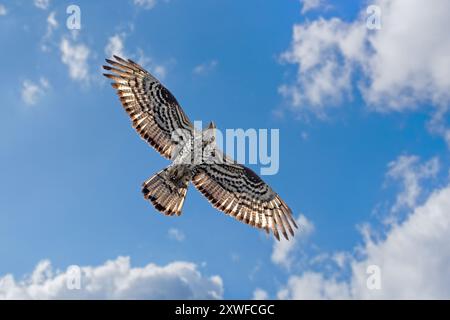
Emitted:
pixel 241 193
pixel 154 111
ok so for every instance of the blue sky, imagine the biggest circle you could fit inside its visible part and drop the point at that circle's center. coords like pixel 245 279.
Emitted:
pixel 367 147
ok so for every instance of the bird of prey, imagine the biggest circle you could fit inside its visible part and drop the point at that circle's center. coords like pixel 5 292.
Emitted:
pixel 229 186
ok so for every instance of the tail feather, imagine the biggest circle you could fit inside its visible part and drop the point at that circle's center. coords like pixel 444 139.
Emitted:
pixel 166 195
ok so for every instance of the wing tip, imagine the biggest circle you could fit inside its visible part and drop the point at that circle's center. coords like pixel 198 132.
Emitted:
pixel 120 59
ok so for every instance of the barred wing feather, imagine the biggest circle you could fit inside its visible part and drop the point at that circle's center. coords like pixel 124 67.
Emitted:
pixel 238 191
pixel 154 111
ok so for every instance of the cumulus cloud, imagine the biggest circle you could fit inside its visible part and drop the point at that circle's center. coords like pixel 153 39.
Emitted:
pixel 205 68
pixel 52 25
pixel 75 56
pixel 51 22
pixel 157 69
pixel 410 172
pixel 115 46
pixel 282 253
pixel 334 58
pixel 3 10
pixel 115 279
pixel 413 259
pixel 323 76
pixel 308 5
pixel 439 124
pixel 42 4
pixel 176 234
pixel 313 285
pixel 33 91
pixel 260 294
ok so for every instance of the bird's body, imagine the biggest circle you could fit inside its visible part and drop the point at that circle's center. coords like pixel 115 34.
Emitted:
pixel 229 186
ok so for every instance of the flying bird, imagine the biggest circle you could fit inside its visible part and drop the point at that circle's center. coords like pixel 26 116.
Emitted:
pixel 229 186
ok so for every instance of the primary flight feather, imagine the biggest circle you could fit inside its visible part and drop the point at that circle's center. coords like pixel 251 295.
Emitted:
pixel 229 186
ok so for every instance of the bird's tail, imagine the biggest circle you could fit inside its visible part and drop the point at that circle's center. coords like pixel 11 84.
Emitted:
pixel 166 192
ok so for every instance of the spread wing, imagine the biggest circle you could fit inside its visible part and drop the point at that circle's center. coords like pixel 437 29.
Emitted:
pixel 239 192
pixel 154 111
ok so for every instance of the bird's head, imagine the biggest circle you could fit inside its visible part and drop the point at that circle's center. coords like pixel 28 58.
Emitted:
pixel 211 125
pixel 209 134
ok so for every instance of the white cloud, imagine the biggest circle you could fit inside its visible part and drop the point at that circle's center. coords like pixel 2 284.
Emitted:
pixel 52 25
pixel 146 4
pixel 332 55
pixel 33 91
pixel 260 294
pixel 439 124
pixel 3 10
pixel 176 234
pixel 309 5
pixel 51 21
pixel 323 77
pixel 410 172
pixel 313 285
pixel 42 4
pixel 115 279
pixel 340 258
pixel 158 70
pixel 75 56
pixel 115 46
pixel 205 68
pixel 413 258
pixel 282 253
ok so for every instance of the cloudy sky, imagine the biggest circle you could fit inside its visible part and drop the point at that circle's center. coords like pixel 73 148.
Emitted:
pixel 364 148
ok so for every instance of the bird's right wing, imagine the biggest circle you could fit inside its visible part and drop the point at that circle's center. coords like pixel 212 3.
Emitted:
pixel 154 111
pixel 241 193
